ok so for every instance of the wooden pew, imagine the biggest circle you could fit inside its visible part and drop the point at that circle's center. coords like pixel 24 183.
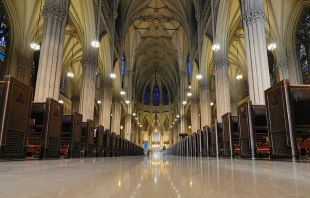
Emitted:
pixel 107 143
pixel 118 145
pixel 230 134
pixel 288 108
pixel 190 146
pixel 199 142
pixel 206 141
pixel 15 109
pixel 216 139
pixel 98 142
pixel 253 131
pixel 71 134
pixel 87 138
pixel 45 129
pixel 113 144
pixel 194 144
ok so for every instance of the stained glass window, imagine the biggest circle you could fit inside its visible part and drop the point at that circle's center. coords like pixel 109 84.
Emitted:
pixel 123 65
pixel 188 67
pixel 4 35
pixel 156 96
pixel 165 93
pixel 147 96
pixel 63 85
pixel 303 47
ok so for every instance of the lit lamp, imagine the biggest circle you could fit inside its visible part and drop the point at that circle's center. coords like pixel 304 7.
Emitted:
pixel 127 101
pixel 216 47
pixel 272 46
pixel 70 74
pixel 61 101
pixel 35 46
pixel 122 93
pixel 189 94
pixel 239 77
pixel 99 102
pixel 184 102
pixel 113 75
pixel 198 76
pixel 211 104
pixel 95 44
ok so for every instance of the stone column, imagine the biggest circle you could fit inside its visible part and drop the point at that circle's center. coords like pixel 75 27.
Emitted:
pixel 195 114
pixel 256 50
pixel 205 108
pixel 222 87
pixel 234 105
pixel 49 71
pixel 182 98
pixel 116 114
pixel 75 103
pixel 128 128
pixel 106 103
pixel 24 64
pixel 87 94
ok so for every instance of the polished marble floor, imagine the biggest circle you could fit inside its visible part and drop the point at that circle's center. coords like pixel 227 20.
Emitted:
pixel 154 176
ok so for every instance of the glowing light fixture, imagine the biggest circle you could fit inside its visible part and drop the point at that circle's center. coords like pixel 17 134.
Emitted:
pixel 134 114
pixel 61 101
pixel 189 94
pixel 198 76
pixel 184 102
pixel 95 44
pixel 35 46
pixel 211 104
pixel 272 46
pixel 216 47
pixel 239 77
pixel 178 116
pixel 113 75
pixel 127 102
pixel 70 74
pixel 99 102
pixel 122 93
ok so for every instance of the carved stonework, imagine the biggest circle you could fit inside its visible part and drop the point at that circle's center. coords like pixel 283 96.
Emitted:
pixel 114 14
pixel 106 85
pixel 24 61
pixel 282 65
pixel 234 100
pixel 207 11
pixel 89 62
pixel 197 15
pixel 204 86
pixel 194 100
pixel 116 99
pixel 75 98
pixel 221 63
pixel 253 16
pixel 130 72
pixel 54 11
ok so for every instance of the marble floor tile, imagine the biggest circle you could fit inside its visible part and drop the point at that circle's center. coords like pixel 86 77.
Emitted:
pixel 155 176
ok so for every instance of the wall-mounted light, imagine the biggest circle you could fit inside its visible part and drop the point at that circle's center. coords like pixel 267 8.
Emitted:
pixel 189 126
pixel 239 77
pixel 113 75
pixel 272 46
pixel 184 102
pixel 61 101
pixel 35 46
pixel 198 76
pixel 99 102
pixel 216 47
pixel 211 104
pixel 178 116
pixel 122 93
pixel 95 44
pixel 189 94
pixel 122 127
pixel 127 101
pixel 189 87
pixel 70 74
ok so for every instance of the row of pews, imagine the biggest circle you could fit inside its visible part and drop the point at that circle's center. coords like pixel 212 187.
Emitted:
pixel 39 130
pixel 277 130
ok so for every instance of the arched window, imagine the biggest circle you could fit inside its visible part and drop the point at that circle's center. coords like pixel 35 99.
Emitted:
pixel 303 45
pixel 63 85
pixel 147 96
pixel 123 65
pixel 156 96
pixel 165 94
pixel 188 66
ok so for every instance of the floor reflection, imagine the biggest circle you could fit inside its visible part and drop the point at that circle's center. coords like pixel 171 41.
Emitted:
pixel 154 176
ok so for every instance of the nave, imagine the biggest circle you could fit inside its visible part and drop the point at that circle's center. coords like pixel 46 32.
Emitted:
pixel 154 176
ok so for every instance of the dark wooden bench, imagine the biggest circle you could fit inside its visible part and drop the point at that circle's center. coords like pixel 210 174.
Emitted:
pixel 199 142
pixel 87 138
pixel 15 109
pixel 230 134
pixel 206 141
pixel 118 145
pixel 71 134
pixel 113 144
pixel 98 141
pixel 288 108
pixel 194 144
pixel 107 143
pixel 216 139
pixel 253 131
pixel 45 129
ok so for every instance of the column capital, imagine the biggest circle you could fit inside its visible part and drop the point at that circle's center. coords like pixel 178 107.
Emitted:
pixel 234 99
pixel 116 99
pixel 195 100
pixel 254 15
pixel 130 72
pixel 204 85
pixel 114 14
pixel 106 85
pixel 221 63
pixel 54 11
pixel 89 61
pixel 197 15
pixel 182 73
pixel 282 65
pixel 75 98
pixel 24 61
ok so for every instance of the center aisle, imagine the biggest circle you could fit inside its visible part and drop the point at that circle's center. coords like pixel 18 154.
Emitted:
pixel 156 176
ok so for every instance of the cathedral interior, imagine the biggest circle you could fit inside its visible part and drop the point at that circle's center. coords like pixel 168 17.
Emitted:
pixel 169 98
